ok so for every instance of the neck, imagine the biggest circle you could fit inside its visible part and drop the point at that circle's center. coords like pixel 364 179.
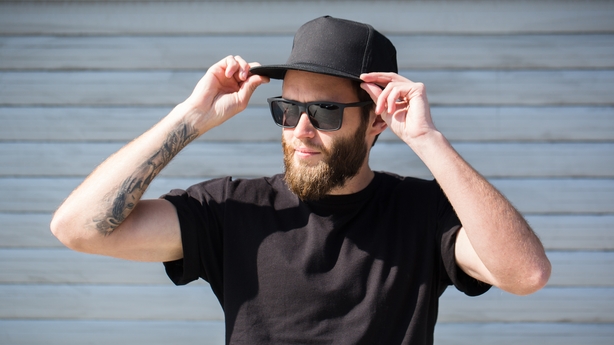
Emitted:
pixel 356 183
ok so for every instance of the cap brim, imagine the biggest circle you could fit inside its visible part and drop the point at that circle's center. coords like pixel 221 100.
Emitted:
pixel 279 71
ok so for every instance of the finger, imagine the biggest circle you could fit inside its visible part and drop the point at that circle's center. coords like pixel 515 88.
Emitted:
pixel 373 90
pixel 393 97
pixel 376 78
pixel 250 66
pixel 232 66
pixel 382 78
pixel 243 67
pixel 249 86
pixel 382 100
pixel 260 79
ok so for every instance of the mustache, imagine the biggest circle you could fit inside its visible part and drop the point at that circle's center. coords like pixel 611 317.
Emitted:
pixel 307 143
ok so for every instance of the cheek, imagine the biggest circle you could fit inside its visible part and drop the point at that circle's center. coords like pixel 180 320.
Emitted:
pixel 286 135
pixel 352 119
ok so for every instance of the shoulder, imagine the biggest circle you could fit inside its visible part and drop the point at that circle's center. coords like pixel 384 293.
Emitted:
pixel 242 189
pixel 414 193
pixel 404 183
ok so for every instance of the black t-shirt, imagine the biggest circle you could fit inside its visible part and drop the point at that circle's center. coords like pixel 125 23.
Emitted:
pixel 365 268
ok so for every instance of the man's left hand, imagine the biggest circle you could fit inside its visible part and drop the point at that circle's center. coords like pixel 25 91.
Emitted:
pixel 402 103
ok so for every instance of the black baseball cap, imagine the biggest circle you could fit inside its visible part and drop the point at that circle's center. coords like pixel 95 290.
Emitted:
pixel 336 47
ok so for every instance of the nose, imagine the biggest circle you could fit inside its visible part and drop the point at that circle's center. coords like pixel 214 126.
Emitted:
pixel 304 128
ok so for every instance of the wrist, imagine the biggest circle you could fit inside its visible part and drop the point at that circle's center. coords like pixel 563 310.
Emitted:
pixel 427 143
pixel 435 151
pixel 192 116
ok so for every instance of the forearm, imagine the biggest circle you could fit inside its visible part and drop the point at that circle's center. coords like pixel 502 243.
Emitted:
pixel 502 239
pixel 495 244
pixel 104 214
pixel 108 195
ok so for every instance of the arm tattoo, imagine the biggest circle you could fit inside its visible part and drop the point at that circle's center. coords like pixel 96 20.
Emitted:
pixel 130 191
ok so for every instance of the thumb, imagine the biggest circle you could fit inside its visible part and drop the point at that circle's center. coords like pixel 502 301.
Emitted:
pixel 249 86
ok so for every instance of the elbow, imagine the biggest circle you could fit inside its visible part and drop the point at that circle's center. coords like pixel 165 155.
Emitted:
pixel 64 230
pixel 534 279
pixel 542 275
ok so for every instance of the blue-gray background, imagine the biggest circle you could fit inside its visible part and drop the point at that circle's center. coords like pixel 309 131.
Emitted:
pixel 523 89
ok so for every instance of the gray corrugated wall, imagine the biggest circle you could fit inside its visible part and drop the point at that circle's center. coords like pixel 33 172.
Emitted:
pixel 523 89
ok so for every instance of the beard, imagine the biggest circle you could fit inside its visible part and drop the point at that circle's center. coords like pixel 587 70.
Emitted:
pixel 339 164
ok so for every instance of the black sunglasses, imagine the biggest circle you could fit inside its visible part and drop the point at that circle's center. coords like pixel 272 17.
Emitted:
pixel 324 116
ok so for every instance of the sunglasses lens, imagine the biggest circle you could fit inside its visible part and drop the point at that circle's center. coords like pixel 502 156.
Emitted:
pixel 285 114
pixel 325 116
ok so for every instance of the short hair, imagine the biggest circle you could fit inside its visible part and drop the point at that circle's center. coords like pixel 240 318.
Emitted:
pixel 366 110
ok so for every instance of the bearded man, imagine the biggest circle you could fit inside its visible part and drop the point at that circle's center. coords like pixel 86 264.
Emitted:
pixel 330 251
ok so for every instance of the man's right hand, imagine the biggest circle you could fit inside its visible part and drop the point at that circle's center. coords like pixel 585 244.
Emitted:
pixel 223 92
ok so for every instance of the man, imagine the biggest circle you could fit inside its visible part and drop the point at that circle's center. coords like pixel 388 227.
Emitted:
pixel 330 251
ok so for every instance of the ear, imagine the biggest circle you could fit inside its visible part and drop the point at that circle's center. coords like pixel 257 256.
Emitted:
pixel 378 125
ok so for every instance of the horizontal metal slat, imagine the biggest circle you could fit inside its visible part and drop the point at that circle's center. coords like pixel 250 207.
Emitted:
pixel 574 232
pixel 165 88
pixel 110 18
pixel 464 123
pixel 200 52
pixel 114 302
pixel 582 305
pixel 104 332
pixel 523 333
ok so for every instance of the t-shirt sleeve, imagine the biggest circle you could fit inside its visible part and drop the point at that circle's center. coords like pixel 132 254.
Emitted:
pixel 199 218
pixel 448 226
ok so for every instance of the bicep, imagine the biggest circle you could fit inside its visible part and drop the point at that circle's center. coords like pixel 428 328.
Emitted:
pixel 150 233
pixel 469 261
